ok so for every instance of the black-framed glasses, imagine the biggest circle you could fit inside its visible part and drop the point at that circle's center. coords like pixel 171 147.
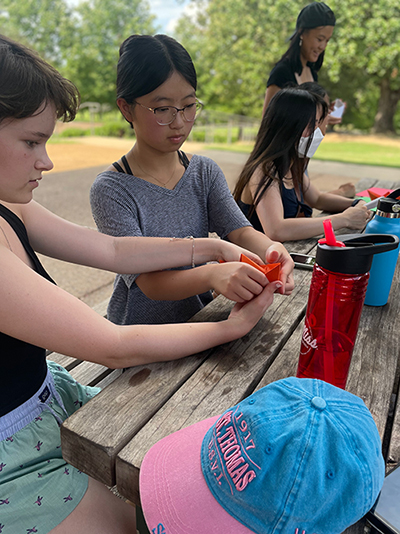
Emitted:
pixel 166 114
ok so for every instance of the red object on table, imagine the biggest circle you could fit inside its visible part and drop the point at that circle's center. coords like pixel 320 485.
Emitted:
pixel 375 192
pixel 271 270
pixel 330 238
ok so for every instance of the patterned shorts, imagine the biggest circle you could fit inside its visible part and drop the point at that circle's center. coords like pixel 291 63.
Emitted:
pixel 38 489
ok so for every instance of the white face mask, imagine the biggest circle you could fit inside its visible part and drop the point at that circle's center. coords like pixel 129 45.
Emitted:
pixel 316 141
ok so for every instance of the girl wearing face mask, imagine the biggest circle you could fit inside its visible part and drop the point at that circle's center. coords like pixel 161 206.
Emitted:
pixel 305 55
pixel 273 191
pixel 345 190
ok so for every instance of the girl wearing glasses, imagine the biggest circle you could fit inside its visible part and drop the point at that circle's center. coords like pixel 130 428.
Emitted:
pixel 273 190
pixel 157 190
pixel 39 491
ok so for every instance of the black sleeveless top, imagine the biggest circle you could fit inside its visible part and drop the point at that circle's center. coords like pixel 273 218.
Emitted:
pixel 22 365
pixel 182 158
pixel 292 208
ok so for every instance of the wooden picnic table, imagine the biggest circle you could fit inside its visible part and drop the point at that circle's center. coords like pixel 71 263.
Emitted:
pixel 109 436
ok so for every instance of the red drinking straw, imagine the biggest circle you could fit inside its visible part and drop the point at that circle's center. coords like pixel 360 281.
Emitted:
pixel 330 238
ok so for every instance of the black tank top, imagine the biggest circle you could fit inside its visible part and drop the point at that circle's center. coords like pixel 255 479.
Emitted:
pixel 22 365
pixel 182 158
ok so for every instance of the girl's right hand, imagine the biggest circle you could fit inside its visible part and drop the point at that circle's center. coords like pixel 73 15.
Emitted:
pixel 244 317
pixel 357 216
pixel 237 281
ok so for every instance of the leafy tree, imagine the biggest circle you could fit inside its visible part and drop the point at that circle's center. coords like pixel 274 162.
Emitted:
pixel 44 25
pixel 367 40
pixel 235 45
pixel 100 28
pixel 82 42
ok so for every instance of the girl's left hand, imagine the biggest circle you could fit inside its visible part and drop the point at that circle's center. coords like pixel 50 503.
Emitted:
pixel 277 253
pixel 232 252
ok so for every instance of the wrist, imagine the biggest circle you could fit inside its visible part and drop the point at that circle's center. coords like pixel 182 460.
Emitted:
pixel 355 202
pixel 339 221
pixel 206 249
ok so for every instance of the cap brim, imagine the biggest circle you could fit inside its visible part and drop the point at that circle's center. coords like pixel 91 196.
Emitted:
pixel 174 494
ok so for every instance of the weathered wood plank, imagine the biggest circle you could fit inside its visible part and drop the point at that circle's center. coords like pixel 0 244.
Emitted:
pixel 108 421
pixel 365 183
pixel 227 376
pixel 65 361
pixel 89 373
pixel 103 426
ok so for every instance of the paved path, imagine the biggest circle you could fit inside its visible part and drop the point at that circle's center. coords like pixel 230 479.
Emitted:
pixel 67 194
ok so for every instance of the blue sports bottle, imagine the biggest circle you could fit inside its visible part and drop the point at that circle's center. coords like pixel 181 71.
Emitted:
pixel 386 221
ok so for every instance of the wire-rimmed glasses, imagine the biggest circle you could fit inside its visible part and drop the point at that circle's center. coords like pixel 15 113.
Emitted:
pixel 166 114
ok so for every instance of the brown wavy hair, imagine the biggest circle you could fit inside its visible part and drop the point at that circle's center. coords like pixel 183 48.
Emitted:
pixel 27 83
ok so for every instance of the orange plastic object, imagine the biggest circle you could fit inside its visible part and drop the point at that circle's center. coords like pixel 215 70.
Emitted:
pixel 373 195
pixel 271 270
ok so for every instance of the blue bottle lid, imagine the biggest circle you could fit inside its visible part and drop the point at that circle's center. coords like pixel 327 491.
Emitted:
pixel 356 257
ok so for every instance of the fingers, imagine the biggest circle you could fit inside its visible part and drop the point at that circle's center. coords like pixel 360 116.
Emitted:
pixel 278 253
pixel 239 281
pixel 359 216
pixel 264 300
pixel 256 307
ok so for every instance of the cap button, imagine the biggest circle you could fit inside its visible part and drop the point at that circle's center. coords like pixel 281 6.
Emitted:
pixel 318 402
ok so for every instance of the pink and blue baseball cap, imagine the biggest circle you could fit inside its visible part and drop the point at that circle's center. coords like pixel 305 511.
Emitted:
pixel 299 456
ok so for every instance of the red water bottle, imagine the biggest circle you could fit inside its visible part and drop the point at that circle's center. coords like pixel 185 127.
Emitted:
pixel 335 302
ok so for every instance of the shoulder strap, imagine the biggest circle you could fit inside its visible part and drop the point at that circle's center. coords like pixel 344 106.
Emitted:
pixel 126 165
pixel 118 167
pixel 19 228
pixel 183 158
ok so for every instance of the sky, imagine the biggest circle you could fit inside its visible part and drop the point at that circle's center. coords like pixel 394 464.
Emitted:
pixel 167 13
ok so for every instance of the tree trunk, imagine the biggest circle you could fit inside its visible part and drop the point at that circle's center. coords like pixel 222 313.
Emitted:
pixel 386 108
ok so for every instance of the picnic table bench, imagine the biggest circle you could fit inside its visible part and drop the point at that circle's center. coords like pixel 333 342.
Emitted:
pixel 109 436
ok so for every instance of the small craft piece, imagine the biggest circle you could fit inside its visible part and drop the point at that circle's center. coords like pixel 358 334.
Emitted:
pixel 271 270
pixel 375 192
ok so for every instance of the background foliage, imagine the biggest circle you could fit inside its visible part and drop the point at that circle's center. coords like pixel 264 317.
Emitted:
pixel 234 45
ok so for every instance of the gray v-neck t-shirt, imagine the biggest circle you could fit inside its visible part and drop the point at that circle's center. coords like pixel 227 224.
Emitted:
pixel 125 205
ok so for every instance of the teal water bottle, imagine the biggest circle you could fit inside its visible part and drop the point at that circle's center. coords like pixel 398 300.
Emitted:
pixel 386 221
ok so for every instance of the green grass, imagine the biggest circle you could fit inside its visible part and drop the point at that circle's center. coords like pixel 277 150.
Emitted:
pixel 346 152
pixel 360 153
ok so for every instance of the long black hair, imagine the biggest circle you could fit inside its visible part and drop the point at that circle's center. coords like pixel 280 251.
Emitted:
pixel 290 112
pixel 28 83
pixel 146 62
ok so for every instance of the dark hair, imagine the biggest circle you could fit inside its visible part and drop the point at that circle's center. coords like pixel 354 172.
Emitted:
pixel 288 114
pixel 146 62
pixel 27 83
pixel 315 88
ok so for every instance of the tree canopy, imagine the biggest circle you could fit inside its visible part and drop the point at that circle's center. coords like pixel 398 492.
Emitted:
pixel 82 42
pixel 235 45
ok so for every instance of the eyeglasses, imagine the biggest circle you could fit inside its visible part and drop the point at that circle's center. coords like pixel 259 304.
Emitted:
pixel 166 114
